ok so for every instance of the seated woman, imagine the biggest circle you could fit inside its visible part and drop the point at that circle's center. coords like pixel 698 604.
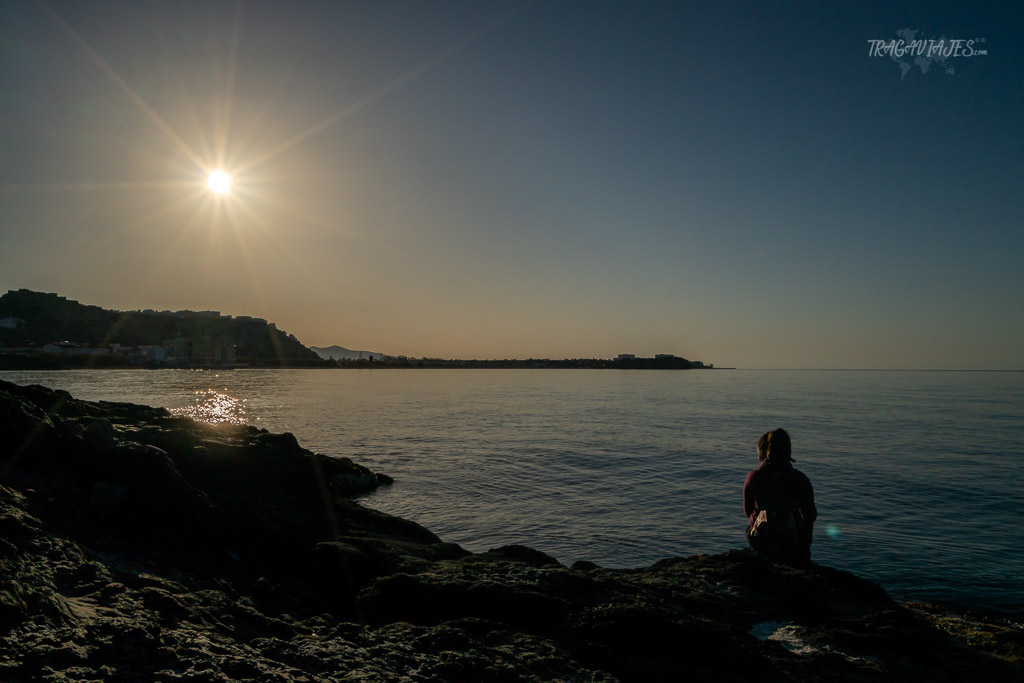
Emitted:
pixel 779 503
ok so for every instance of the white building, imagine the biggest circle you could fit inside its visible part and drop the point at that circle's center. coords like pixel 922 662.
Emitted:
pixel 66 348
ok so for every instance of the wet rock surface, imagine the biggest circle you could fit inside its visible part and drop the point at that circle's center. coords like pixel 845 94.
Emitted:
pixel 135 545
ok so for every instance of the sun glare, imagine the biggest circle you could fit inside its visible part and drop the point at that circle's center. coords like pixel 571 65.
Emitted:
pixel 219 182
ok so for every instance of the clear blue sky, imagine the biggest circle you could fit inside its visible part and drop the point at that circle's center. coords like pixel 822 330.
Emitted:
pixel 739 183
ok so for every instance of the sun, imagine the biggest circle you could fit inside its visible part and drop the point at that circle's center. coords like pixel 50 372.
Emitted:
pixel 219 182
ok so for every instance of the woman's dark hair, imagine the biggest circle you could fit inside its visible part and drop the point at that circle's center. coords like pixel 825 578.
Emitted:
pixel 775 446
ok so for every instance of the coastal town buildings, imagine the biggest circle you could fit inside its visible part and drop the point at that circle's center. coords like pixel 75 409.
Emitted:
pixel 148 354
pixel 179 351
pixel 207 351
pixel 66 348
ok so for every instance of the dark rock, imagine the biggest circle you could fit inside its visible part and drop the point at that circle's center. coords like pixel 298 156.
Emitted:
pixel 285 443
pixel 168 605
pixel 17 527
pixel 583 566
pixel 99 434
pixel 339 571
pixel 342 567
pixel 106 495
pixel 271 599
pixel 522 553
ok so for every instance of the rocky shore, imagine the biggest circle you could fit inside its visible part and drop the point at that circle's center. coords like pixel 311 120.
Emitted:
pixel 137 545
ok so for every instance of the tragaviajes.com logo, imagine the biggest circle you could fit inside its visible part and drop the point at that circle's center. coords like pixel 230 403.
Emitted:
pixel 909 49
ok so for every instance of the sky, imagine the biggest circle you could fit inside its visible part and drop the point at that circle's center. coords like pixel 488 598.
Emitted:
pixel 739 183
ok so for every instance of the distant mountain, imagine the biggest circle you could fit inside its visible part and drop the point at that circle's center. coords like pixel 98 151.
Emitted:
pixel 341 353
pixel 34 319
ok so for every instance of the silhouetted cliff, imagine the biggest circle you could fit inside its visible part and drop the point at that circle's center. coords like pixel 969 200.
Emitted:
pixel 37 318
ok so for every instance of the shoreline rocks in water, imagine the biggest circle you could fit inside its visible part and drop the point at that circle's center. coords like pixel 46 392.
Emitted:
pixel 136 545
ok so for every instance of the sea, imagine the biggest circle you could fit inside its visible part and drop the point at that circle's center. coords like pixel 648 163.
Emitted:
pixel 917 475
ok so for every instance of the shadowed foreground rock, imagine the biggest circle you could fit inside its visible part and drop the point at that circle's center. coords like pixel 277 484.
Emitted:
pixel 135 545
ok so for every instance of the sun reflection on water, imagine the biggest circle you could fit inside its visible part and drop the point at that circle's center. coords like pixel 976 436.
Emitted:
pixel 215 408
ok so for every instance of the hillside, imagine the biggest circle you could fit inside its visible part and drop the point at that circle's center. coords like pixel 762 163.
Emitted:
pixel 33 319
pixel 341 353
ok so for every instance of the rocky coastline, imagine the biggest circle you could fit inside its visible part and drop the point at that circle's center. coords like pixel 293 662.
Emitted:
pixel 139 545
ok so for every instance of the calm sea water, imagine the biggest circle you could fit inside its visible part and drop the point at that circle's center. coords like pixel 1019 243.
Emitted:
pixel 917 474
